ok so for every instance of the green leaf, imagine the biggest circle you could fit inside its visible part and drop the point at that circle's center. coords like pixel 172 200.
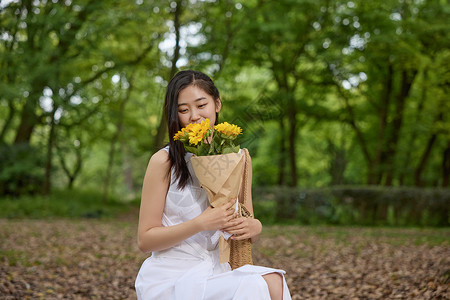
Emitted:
pixel 203 149
pixel 236 148
pixel 191 149
pixel 231 149
pixel 211 148
pixel 227 150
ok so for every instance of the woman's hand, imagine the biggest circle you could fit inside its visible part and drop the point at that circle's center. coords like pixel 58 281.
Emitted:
pixel 243 228
pixel 214 218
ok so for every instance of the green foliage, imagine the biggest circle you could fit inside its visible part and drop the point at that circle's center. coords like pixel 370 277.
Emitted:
pixel 355 206
pixel 264 211
pixel 332 92
pixel 62 204
pixel 21 169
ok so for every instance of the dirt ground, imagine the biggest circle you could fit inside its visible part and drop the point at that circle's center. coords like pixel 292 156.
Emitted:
pixel 92 259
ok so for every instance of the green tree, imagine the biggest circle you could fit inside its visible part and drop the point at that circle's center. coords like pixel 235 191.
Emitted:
pixel 377 61
pixel 50 61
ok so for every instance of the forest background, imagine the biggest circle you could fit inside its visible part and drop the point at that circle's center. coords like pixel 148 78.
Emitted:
pixel 344 104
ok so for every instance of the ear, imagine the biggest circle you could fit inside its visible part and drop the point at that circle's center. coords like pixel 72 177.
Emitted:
pixel 218 105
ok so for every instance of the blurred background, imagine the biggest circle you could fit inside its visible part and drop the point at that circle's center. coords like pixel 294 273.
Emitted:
pixel 344 104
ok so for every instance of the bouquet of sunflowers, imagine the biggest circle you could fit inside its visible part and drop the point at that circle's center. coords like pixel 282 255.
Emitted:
pixel 198 138
pixel 217 163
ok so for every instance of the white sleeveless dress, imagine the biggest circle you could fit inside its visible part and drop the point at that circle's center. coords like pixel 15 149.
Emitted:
pixel 191 269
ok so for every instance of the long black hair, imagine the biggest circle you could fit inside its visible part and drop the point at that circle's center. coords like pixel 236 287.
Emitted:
pixel 180 81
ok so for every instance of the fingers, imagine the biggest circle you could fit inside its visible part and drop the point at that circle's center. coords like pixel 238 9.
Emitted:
pixel 230 203
pixel 240 237
pixel 235 226
pixel 222 215
pixel 229 208
pixel 239 234
pixel 230 217
pixel 229 212
pixel 236 221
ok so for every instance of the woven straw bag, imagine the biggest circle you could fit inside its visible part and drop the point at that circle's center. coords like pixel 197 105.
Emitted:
pixel 241 251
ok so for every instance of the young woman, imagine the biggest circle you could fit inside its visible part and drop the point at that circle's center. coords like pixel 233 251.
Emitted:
pixel 180 228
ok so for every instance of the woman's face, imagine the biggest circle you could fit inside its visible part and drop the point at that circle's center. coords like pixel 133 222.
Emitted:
pixel 195 105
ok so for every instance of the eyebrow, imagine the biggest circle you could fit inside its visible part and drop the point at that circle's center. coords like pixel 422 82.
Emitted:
pixel 198 99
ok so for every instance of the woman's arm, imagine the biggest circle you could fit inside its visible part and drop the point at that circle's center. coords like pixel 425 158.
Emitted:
pixel 152 236
pixel 244 228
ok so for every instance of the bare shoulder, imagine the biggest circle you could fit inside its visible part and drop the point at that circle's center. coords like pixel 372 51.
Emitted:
pixel 159 161
pixel 160 157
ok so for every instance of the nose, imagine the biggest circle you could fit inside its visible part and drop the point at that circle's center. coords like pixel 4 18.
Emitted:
pixel 195 116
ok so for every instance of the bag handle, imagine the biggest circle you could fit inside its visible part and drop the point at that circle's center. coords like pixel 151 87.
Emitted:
pixel 246 183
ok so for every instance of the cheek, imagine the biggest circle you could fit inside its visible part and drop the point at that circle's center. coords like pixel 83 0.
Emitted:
pixel 212 113
pixel 209 113
pixel 212 119
pixel 184 121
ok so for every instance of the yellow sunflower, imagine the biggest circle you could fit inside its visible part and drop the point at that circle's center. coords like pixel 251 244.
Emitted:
pixel 196 132
pixel 228 129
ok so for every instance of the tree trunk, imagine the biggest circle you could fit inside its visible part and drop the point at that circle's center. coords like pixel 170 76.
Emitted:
pixel 407 81
pixel 28 120
pixel 338 163
pixel 50 142
pixel 282 155
pixel 176 23
pixel 115 138
pixel 292 115
pixel 378 164
pixel 10 73
pixel 161 132
pixel 8 121
pixel 127 167
pixel 371 166
pixel 426 155
pixel 423 160
pixel 406 166
pixel 112 151
pixel 446 166
pixel 71 176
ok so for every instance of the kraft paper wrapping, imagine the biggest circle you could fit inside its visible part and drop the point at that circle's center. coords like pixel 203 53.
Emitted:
pixel 224 250
pixel 221 177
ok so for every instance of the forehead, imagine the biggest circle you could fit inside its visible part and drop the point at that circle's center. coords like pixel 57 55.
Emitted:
pixel 191 94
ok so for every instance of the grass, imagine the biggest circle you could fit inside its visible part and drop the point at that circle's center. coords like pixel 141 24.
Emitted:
pixel 62 204
pixel 77 204
pixel 343 234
